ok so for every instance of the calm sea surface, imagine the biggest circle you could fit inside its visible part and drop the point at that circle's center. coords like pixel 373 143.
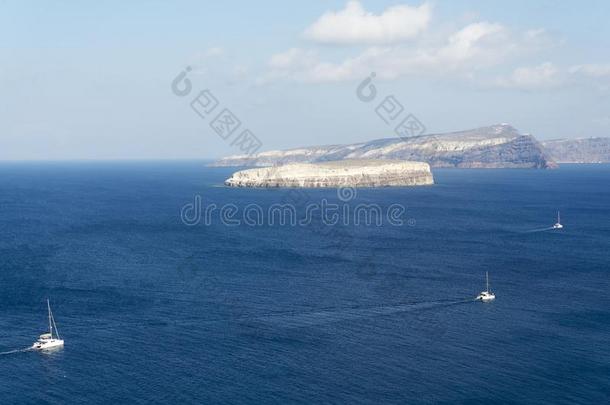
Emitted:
pixel 154 311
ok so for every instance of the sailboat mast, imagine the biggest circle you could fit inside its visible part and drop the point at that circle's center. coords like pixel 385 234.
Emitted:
pixel 558 218
pixel 487 280
pixel 50 325
pixel 55 327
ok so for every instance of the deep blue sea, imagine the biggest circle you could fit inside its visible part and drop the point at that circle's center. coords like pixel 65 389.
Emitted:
pixel 155 311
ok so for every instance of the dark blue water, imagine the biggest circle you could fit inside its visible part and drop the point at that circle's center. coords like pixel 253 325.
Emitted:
pixel 154 311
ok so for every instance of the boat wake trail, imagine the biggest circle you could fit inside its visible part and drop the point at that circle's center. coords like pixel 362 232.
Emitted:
pixel 297 320
pixel 548 228
pixel 27 349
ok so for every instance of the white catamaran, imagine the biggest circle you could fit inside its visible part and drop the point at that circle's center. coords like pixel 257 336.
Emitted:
pixel 51 340
pixel 558 224
pixel 486 295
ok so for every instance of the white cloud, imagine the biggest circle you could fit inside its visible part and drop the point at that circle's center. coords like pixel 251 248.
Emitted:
pixel 355 25
pixel 480 43
pixel 592 70
pixel 548 75
pixel 240 71
pixel 293 58
pixel 466 53
pixel 545 75
pixel 214 51
pixel 236 74
pixel 200 61
pixel 474 47
pixel 303 65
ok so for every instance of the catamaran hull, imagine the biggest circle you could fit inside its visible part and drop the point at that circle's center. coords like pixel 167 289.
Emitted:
pixel 55 344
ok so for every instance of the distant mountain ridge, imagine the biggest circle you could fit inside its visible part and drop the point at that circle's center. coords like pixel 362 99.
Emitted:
pixel 583 150
pixel 496 146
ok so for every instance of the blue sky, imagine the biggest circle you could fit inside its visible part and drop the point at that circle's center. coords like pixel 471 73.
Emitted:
pixel 91 80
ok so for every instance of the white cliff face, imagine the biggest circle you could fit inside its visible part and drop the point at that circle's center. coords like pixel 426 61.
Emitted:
pixel 347 173
pixel 495 146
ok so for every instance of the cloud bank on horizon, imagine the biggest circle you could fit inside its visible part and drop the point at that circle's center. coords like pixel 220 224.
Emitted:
pixel 400 41
pixel 92 81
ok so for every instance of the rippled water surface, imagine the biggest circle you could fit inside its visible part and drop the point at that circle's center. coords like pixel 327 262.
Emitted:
pixel 154 311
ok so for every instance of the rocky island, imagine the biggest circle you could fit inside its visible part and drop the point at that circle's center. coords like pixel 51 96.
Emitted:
pixel 345 173
pixel 496 146
pixel 581 150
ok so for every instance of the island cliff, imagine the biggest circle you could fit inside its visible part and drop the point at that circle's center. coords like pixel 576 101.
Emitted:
pixel 497 146
pixel 581 150
pixel 347 173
